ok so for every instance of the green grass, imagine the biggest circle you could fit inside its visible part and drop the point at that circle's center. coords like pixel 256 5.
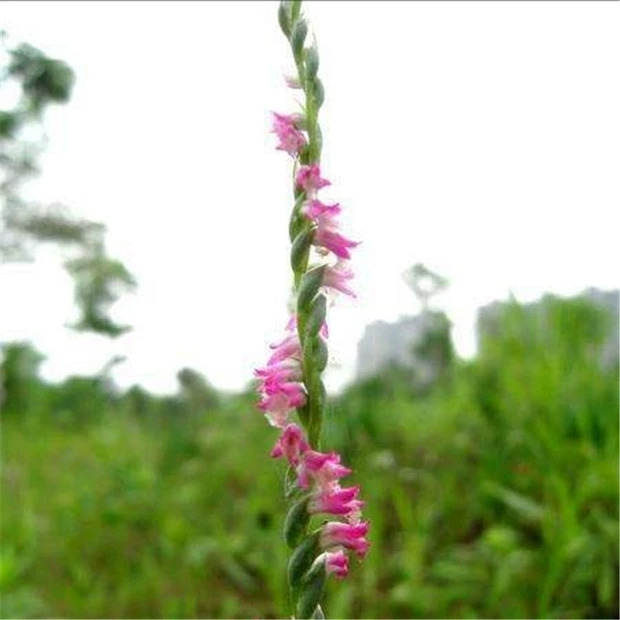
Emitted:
pixel 493 495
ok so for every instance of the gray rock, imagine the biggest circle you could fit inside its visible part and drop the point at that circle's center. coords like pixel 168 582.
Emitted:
pixel 385 345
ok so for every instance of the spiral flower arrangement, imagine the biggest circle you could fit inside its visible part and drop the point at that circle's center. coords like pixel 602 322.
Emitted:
pixel 324 522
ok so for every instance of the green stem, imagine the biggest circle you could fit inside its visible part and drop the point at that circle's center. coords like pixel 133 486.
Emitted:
pixel 311 414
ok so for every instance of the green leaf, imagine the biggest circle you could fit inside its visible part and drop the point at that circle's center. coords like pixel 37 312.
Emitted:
pixel 320 354
pixel 302 559
pixel 522 505
pixel 316 317
pixel 297 221
pixel 309 286
pixel 296 522
pixel 295 9
pixel 290 482
pixel 310 592
pixel 299 250
pixel 319 93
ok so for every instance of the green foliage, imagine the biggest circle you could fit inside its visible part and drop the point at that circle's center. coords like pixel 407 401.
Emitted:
pixel 21 390
pixel 42 81
pixel 98 281
pixel 494 494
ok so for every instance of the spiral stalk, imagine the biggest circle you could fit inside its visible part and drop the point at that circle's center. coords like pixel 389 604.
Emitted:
pixel 292 380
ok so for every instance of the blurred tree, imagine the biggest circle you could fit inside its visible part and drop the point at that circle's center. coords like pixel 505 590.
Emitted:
pixel 197 391
pixel 98 281
pixel 21 390
pixel 424 283
pixel 37 82
pixel 434 347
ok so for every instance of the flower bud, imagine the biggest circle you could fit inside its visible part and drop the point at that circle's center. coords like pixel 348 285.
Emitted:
pixel 284 17
pixel 296 223
pixel 319 93
pixel 318 142
pixel 299 249
pixel 317 316
pixel 312 63
pixel 308 288
pixel 319 354
pixel 298 37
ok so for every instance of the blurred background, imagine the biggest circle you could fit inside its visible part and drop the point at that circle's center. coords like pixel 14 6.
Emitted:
pixel 473 383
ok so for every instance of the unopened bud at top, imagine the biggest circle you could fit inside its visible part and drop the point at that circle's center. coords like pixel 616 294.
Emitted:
pixel 312 62
pixel 298 37
pixel 284 17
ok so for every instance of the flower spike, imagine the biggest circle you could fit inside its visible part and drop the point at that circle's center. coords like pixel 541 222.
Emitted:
pixel 290 384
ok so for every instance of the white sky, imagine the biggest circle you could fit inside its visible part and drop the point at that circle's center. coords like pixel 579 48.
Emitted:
pixel 482 139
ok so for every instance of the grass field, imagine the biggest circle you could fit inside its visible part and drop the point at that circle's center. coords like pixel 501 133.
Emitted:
pixel 495 494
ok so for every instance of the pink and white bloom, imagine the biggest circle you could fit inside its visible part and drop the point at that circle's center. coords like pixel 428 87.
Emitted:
pixel 336 563
pixel 280 384
pixel 351 536
pixel 322 468
pixel 285 371
pixel 277 401
pixel 287 348
pixel 336 277
pixel 290 444
pixel 336 501
pixel 333 241
pixel 309 179
pixel 327 235
pixel 291 139
pixel 320 212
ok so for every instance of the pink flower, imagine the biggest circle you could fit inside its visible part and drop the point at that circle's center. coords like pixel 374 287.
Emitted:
pixel 289 347
pixel 279 399
pixel 316 210
pixel 351 536
pixel 290 444
pixel 336 563
pixel 291 139
pixel 294 392
pixel 327 235
pixel 280 386
pixel 276 409
pixel 336 501
pixel 334 242
pixel 309 179
pixel 287 370
pixel 324 469
pixel 291 326
pixel 336 277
